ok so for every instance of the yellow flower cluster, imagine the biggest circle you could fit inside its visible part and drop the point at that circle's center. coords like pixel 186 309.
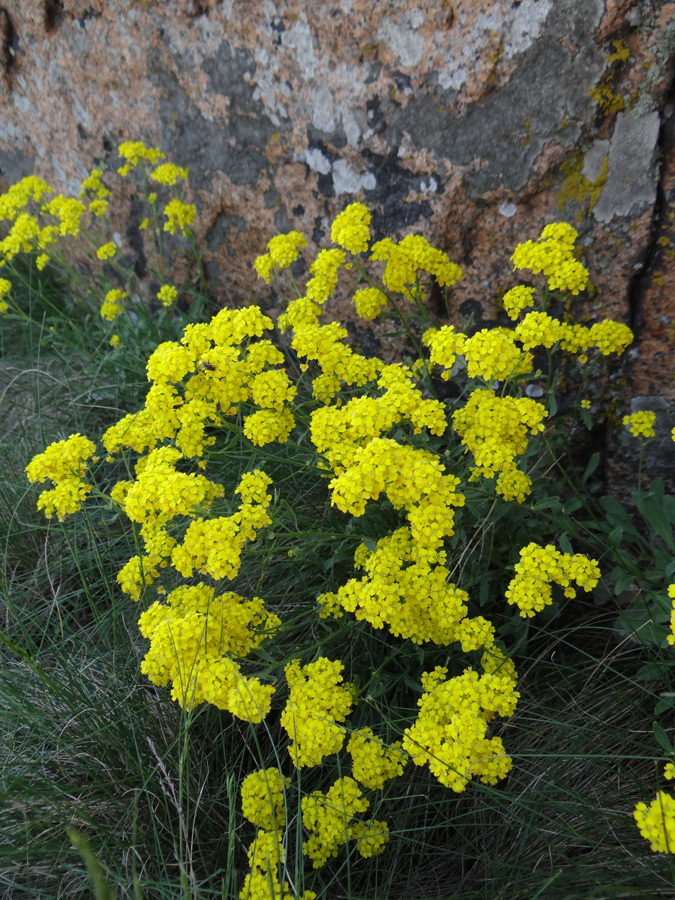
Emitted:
pixel 494 429
pixel 553 256
pixel 179 216
pixel 412 479
pixel 69 212
pixel 167 294
pixel 450 733
pixel 350 229
pixel 203 377
pixel 192 638
pixel 404 260
pixel 19 195
pixel 657 822
pixel 92 184
pixel 112 305
pixel 491 354
pixel 539 568
pixel 444 344
pixel 373 762
pixel 213 546
pixel 330 820
pixel 160 492
pixel 324 270
pixel 262 798
pixel 282 250
pixel 324 343
pixel 169 174
pixel 671 595
pixel 339 431
pixel 5 288
pixel 64 463
pixel 266 857
pixel 518 299
pixel 22 236
pixel 318 701
pixel 538 329
pixel 134 152
pixel 641 424
pixel 405 591
pixel 106 251
pixel 611 337
pixel 514 485
pixel 369 302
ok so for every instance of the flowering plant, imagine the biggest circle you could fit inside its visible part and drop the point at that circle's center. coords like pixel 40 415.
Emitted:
pixel 413 477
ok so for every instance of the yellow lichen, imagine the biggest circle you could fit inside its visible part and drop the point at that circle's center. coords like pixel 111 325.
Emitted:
pixel 576 187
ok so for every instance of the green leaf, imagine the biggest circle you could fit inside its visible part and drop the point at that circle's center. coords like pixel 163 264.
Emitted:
pixel 654 515
pixel 548 503
pixel 622 580
pixel 656 488
pixel 663 705
pixel 615 536
pixel 614 508
pixel 552 405
pixel 565 545
pixel 572 506
pixel 650 672
pixel 593 463
pixel 662 738
pixel 669 507
pixel 586 419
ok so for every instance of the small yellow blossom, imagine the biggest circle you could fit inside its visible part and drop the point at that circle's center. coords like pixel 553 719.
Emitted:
pixel 167 294
pixel 641 424
pixel 106 251
pixel 112 305
pixel 179 216
pixel 168 175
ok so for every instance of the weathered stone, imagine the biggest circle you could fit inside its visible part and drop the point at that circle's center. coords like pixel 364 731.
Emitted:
pixel 474 122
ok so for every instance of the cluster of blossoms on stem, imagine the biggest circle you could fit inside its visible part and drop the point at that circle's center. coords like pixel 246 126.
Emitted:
pixel 373 762
pixel 330 819
pixel 494 430
pixel 656 822
pixel 553 256
pixel 64 463
pixel 450 733
pixel 539 568
pixel 5 288
pixel 641 424
pixel 112 304
pixel 406 589
pixel 318 702
pixel 266 859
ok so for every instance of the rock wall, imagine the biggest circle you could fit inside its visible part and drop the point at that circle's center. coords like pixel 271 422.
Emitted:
pixel 473 123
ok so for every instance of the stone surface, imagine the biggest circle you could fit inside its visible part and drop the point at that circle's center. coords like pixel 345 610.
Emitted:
pixel 473 122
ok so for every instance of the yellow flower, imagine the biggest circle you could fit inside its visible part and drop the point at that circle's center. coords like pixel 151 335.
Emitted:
pixel 350 228
pixel 641 424
pixel 112 305
pixel 115 341
pixel 106 251
pixel 179 216
pixel 168 175
pixel 167 294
